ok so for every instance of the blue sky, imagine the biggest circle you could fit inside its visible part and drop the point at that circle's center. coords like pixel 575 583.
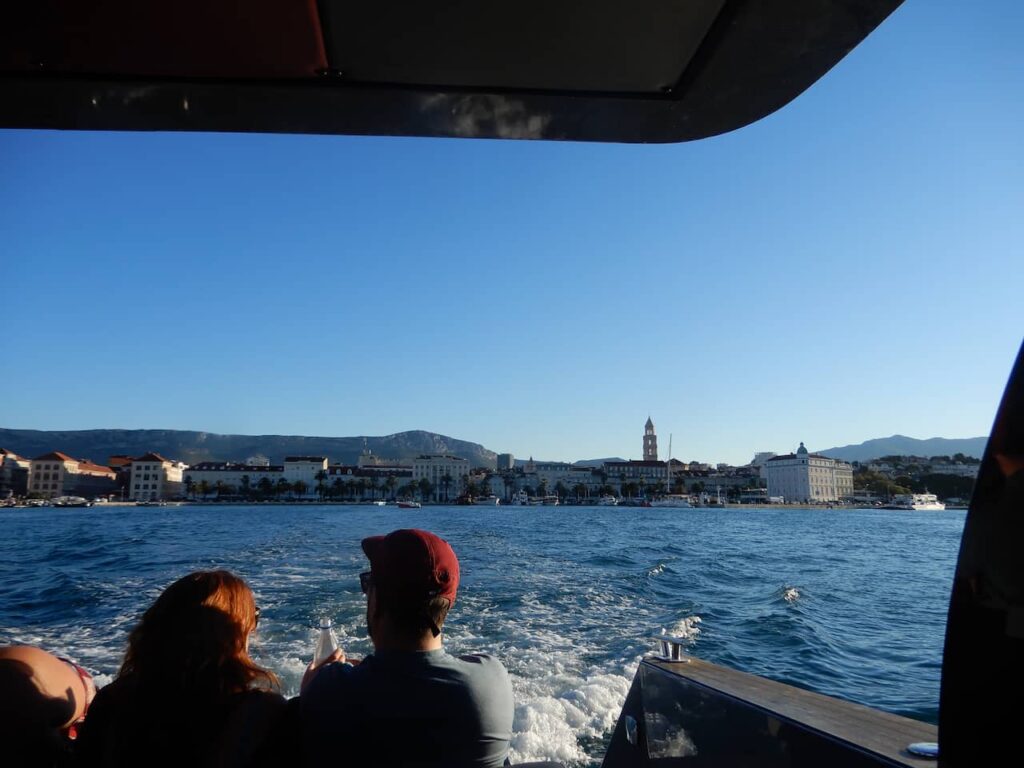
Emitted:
pixel 848 268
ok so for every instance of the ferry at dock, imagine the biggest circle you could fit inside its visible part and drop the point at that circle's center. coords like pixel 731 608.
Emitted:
pixel 916 501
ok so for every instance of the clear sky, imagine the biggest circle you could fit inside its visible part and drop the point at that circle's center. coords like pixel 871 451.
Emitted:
pixel 848 268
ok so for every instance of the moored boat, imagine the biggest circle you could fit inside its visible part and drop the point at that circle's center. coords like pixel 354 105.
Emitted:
pixel 677 500
pixel 409 505
pixel 71 501
pixel 916 501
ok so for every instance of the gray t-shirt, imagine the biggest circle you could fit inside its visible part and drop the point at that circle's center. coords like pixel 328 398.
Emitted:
pixel 409 708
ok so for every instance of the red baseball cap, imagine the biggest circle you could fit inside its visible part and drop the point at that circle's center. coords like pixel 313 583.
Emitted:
pixel 412 563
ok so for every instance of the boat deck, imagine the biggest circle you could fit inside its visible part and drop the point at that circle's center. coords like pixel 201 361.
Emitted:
pixel 870 730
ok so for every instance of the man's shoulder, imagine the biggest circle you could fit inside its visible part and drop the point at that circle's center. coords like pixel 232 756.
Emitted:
pixel 482 671
pixel 329 680
pixel 482 661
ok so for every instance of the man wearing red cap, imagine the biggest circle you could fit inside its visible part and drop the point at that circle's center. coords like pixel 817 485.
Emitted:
pixel 409 702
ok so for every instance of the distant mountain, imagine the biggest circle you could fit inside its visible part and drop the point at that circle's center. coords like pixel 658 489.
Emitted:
pixel 594 462
pixel 900 445
pixel 191 447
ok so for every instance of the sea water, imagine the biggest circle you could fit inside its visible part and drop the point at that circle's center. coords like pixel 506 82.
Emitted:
pixel 850 603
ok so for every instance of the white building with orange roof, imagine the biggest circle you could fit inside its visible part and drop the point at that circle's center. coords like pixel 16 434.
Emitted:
pixel 56 474
pixel 13 473
pixel 154 478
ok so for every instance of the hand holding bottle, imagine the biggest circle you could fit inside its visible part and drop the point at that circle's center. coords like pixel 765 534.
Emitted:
pixel 327 644
pixel 327 651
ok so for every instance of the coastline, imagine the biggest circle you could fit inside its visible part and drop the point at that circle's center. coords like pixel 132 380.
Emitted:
pixel 393 505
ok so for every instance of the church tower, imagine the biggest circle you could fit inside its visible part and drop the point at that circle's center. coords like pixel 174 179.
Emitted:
pixel 650 441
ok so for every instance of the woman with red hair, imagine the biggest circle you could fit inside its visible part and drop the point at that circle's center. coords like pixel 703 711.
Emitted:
pixel 187 692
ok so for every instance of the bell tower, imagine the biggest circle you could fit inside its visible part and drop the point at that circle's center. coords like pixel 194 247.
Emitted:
pixel 650 441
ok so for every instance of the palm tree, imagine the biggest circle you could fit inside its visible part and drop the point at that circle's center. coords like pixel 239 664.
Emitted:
pixel 446 481
pixel 509 482
pixel 425 489
pixel 336 488
pixel 581 490
pixel 245 481
pixel 282 487
pixel 560 490
pixel 543 488
pixel 320 477
pixel 391 482
pixel 265 487
pixel 300 488
pixel 189 487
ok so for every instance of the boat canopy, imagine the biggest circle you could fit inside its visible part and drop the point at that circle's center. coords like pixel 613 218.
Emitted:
pixel 595 70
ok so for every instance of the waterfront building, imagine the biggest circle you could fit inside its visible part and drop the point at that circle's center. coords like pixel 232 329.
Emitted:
pixel 804 477
pixel 645 474
pixel 760 461
pixel 443 471
pixel 122 465
pixel 650 441
pixel 506 462
pixel 548 475
pixel 154 478
pixel 56 474
pixel 13 473
pixel 843 473
pixel 259 460
pixel 305 470
pixel 955 468
pixel 228 477
pixel 379 480
pixel 635 470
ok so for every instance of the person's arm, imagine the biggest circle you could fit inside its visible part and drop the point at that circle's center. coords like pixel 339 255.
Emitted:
pixel 314 669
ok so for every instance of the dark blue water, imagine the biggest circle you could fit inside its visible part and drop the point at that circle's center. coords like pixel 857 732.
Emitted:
pixel 566 596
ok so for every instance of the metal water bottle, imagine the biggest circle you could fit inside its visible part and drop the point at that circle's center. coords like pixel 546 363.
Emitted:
pixel 327 643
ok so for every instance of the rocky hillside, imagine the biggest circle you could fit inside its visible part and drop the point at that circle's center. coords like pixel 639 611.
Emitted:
pixel 191 447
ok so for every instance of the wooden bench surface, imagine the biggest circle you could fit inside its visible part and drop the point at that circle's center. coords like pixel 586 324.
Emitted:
pixel 882 733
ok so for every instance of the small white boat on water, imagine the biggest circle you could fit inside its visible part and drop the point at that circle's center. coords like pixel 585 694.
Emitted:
pixel 409 505
pixel 917 501
pixel 520 499
pixel 486 501
pixel 71 501
pixel 607 501
pixel 677 500
pixel 378 503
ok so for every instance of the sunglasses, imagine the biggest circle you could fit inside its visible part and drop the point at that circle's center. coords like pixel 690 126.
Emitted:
pixel 365 580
